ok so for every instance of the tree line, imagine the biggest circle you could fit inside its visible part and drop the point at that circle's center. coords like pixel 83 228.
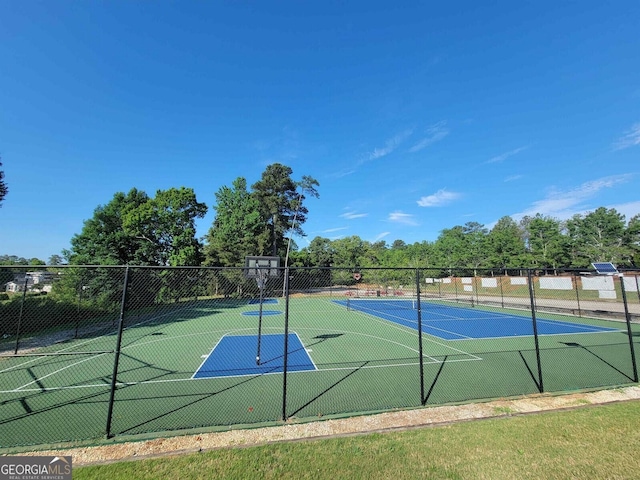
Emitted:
pixel 539 241
pixel 135 228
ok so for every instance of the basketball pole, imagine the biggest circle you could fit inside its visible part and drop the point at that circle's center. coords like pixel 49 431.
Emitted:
pixel 262 280
pixel 293 226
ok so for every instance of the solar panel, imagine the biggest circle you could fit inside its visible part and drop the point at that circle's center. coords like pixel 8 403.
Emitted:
pixel 605 268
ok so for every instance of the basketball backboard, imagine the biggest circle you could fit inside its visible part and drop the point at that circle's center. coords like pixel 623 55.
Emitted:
pixel 262 267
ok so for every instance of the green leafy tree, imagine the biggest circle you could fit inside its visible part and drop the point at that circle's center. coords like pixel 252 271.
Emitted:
pixel 505 245
pixel 165 226
pixel 13 260
pixel 134 229
pixel 349 252
pixel 55 260
pixel 632 240
pixel 462 246
pixel 6 275
pixel 282 206
pixel 597 237
pixel 395 256
pixel 421 254
pixel 103 240
pixel 449 247
pixel 320 252
pixel 475 242
pixel 546 244
pixel 236 229
pixel 380 253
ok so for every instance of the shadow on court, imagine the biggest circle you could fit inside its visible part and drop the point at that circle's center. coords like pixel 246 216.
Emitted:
pixel 201 397
pixel 603 360
pixel 326 390
pixel 40 396
pixel 425 399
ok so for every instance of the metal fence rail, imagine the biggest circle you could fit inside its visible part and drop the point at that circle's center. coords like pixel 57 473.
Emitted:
pixel 98 351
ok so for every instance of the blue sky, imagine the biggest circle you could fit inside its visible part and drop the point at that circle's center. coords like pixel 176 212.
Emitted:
pixel 413 116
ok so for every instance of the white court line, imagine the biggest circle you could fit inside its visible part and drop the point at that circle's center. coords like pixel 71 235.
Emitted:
pixel 75 345
pixel 35 359
pixel 277 330
pixel 402 328
pixel 257 373
pixel 531 335
pixel 377 316
pixel 412 331
pixel 207 357
pixel 593 328
pixel 500 317
pixel 305 350
pixel 56 372
pixel 191 379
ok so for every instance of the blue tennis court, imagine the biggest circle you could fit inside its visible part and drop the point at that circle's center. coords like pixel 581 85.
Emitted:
pixel 464 323
pixel 235 355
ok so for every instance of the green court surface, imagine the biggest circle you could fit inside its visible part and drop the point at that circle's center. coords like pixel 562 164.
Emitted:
pixel 354 362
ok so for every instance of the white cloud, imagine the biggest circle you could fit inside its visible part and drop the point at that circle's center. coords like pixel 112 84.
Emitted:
pixel 390 145
pixel 512 178
pixel 380 236
pixel 504 156
pixel 403 218
pixel 332 230
pixel 631 138
pixel 342 173
pixel 434 133
pixel 629 210
pixel 438 199
pixel 563 204
pixel 352 215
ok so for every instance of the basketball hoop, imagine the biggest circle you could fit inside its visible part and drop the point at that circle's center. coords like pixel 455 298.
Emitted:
pixel 261 268
pixel 261 280
pixel 357 276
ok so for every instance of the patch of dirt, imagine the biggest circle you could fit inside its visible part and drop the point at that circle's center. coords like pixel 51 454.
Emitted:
pixel 399 420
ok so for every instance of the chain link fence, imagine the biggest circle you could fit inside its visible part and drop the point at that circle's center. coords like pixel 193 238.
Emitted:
pixel 94 352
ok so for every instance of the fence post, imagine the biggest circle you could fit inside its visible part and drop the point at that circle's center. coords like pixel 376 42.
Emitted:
pixel 80 290
pixel 455 287
pixel 116 360
pixel 24 295
pixel 535 329
pixel 629 332
pixel 575 281
pixel 475 288
pixel 286 344
pixel 419 309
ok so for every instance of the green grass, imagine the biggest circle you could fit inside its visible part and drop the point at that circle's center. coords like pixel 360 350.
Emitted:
pixel 591 443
